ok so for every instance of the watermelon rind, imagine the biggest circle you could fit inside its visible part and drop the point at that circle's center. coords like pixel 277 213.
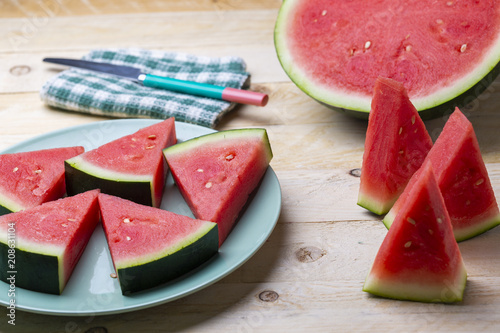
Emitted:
pixel 154 269
pixel 82 176
pixel 442 101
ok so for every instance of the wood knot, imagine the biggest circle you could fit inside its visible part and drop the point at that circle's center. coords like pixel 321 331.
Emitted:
pixel 309 254
pixel 20 70
pixel 97 330
pixel 355 172
pixel 269 296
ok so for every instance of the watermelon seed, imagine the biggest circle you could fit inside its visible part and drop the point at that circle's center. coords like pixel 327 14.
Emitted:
pixel 450 3
pixel 400 130
pixel 439 220
pixel 323 13
pixel 126 220
pixel 408 244
pixel 439 21
pixel 71 220
pixel 64 225
pixel 152 137
pixel 134 139
pixel 412 221
pixel 229 157
pixel 480 181
pixel 128 238
pixel 150 147
pixel 401 152
pixel 413 120
pixel 208 185
pixel 463 48
pixel 200 170
pixel 408 48
pixel 38 171
pixel 15 169
pixel 431 232
pixel 367 45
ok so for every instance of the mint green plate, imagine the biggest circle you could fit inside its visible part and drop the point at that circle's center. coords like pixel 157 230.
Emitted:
pixel 91 290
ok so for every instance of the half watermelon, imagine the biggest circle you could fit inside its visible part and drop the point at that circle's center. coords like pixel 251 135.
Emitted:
pixel 463 180
pixel 419 259
pixel 28 179
pixel 444 52
pixel 150 246
pixel 131 167
pixel 217 172
pixel 41 246
pixel 396 144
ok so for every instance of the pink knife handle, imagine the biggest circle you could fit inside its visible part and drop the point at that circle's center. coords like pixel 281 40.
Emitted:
pixel 244 96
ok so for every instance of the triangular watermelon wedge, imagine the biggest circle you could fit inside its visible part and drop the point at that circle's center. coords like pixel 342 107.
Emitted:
pixel 395 147
pixel 131 167
pixel 216 173
pixel 463 180
pixel 150 246
pixel 419 258
pixel 41 246
pixel 28 179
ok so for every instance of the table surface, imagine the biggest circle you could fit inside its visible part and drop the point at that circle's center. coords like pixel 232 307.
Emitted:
pixel 308 276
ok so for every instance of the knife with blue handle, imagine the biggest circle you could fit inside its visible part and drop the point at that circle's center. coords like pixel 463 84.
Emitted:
pixel 154 81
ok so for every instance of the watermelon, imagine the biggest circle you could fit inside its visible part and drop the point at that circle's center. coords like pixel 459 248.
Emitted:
pixel 131 167
pixel 150 246
pixel 396 144
pixel 463 180
pixel 419 259
pixel 41 246
pixel 28 179
pixel 216 173
pixel 444 52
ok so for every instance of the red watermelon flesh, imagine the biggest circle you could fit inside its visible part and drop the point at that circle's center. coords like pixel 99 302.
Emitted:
pixel 135 157
pixel 419 258
pixel 216 173
pixel 150 246
pixel 463 180
pixel 31 178
pixel 395 147
pixel 49 240
pixel 335 50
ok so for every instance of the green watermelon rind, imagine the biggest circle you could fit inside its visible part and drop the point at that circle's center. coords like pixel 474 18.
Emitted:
pixel 8 205
pixel 373 205
pixel 82 176
pixel 448 292
pixel 460 93
pixel 152 270
pixel 203 140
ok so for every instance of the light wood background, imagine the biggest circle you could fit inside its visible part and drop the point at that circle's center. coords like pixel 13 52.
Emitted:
pixel 309 274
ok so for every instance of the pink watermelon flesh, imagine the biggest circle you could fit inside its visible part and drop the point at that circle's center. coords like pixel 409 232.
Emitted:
pixel 425 44
pixel 395 147
pixel 139 237
pixel 463 180
pixel 31 178
pixel 419 258
pixel 216 173
pixel 60 228
pixel 137 154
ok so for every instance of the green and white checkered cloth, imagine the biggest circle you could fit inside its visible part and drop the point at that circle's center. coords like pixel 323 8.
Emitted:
pixel 107 95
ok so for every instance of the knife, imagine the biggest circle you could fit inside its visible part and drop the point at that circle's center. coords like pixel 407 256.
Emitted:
pixel 154 81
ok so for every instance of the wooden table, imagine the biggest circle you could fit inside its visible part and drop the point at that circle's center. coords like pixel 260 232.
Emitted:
pixel 308 275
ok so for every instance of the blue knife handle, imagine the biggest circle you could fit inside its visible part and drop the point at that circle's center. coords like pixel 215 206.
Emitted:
pixel 186 87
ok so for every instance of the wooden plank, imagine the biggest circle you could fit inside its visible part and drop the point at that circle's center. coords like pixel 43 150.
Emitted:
pixel 51 8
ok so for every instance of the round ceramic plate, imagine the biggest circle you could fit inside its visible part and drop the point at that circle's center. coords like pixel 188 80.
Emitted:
pixel 91 290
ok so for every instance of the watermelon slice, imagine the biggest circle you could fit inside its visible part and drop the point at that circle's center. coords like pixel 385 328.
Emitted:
pixel 419 258
pixel 395 147
pixel 131 167
pixel 444 52
pixel 150 246
pixel 31 178
pixel 41 246
pixel 216 173
pixel 463 180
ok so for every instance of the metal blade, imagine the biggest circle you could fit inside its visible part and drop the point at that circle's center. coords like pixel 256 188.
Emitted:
pixel 123 71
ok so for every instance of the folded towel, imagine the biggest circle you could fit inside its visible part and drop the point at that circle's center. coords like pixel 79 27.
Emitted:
pixel 107 95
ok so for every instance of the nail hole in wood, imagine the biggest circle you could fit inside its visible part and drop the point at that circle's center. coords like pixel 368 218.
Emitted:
pixel 268 296
pixel 355 172
pixel 20 70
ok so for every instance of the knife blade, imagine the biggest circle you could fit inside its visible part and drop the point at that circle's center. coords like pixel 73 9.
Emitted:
pixel 161 82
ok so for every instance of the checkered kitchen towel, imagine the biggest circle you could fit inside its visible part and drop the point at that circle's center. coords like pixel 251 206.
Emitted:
pixel 106 95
